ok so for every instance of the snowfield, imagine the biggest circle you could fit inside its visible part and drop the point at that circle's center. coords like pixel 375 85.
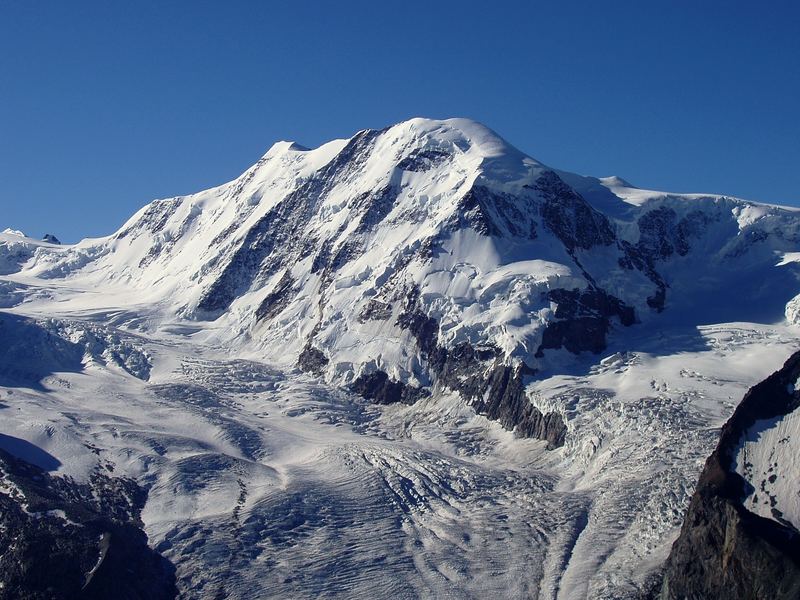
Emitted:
pixel 168 353
pixel 768 460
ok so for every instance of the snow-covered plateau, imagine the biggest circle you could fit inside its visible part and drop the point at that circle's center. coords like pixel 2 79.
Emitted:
pixel 414 362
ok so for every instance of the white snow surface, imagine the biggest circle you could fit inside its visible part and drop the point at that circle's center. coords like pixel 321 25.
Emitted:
pixel 267 482
pixel 16 249
pixel 769 460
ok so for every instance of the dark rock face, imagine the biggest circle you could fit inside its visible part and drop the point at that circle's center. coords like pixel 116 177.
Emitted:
pixel 724 550
pixel 277 299
pixel 661 235
pixel 475 213
pixel 312 360
pixel 583 320
pixel 51 239
pixel 375 310
pixel 496 214
pixel 463 367
pixel 590 302
pixel 658 236
pixel 154 219
pixel 497 391
pixel 575 335
pixel 635 258
pixel 570 217
pixel 377 386
pixel 579 226
pixel 349 250
pixel 505 401
pixel 424 160
pixel 493 389
pixel 376 207
pixel 425 329
pixel 65 540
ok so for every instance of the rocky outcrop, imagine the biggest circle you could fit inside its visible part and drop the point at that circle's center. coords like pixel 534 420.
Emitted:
pixel 492 387
pixel 312 360
pixel 570 217
pixel 494 213
pixel 661 236
pixel 64 540
pixel 504 400
pixel 423 160
pixel 724 550
pixel 380 388
pixel 277 299
pixel 583 319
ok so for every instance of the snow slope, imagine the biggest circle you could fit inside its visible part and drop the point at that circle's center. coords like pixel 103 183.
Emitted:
pixel 241 353
pixel 768 461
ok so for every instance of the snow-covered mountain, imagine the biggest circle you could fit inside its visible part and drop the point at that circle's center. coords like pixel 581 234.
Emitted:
pixel 432 250
pixel 431 267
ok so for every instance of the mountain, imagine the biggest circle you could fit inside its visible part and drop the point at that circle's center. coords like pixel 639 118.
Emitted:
pixel 422 316
pixel 434 253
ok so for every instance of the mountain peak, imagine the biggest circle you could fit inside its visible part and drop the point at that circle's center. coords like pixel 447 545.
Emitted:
pixel 456 130
pixel 461 132
pixel 282 147
pixel 463 143
pixel 419 144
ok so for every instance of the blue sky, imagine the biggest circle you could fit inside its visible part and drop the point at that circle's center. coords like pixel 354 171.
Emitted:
pixel 107 105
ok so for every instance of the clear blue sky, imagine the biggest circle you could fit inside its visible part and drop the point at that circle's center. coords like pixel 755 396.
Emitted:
pixel 106 105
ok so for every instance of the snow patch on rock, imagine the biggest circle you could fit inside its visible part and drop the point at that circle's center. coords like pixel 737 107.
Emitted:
pixel 769 460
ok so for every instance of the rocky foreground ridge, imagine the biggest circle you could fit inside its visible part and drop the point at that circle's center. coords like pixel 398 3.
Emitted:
pixel 725 550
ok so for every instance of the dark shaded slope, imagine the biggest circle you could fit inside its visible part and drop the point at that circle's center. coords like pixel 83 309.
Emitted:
pixel 63 540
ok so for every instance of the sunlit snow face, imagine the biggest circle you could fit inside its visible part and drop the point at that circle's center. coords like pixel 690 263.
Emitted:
pixel 768 459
